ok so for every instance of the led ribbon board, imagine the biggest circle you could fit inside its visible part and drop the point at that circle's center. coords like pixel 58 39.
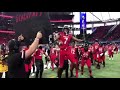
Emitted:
pixel 82 22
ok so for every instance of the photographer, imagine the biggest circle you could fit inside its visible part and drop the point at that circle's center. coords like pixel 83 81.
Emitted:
pixel 16 59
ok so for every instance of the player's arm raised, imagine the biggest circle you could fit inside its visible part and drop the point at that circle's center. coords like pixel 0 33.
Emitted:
pixel 76 39
pixel 34 45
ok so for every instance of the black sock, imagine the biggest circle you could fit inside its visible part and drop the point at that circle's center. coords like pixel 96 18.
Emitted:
pixel 90 71
pixel 37 72
pixel 66 71
pixel 71 70
pixel 33 68
pixel 98 66
pixel 71 73
pixel 41 72
pixel 82 69
pixel 104 63
pixel 60 70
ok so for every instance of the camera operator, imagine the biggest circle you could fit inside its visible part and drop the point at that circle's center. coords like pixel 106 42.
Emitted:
pixel 16 59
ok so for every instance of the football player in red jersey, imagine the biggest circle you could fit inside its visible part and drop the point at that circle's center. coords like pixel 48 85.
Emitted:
pixel 95 51
pixel 73 55
pixel 80 50
pixel 53 56
pixel 91 50
pixel 38 61
pixel 101 55
pixel 64 41
pixel 86 60
pixel 110 51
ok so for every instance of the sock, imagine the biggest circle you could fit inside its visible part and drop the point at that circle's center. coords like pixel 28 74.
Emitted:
pixel 82 68
pixel 60 72
pixel 71 70
pixel 90 71
pixel 66 71
pixel 71 73
pixel 76 73
pixel 104 63
pixel 41 73
pixel 37 72
pixel 52 66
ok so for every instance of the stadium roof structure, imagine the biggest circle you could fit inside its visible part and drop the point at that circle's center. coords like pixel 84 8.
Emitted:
pixel 94 19
pixel 97 18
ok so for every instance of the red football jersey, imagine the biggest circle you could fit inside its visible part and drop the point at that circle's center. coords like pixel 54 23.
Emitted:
pixel 38 54
pixel 73 50
pixel 96 46
pixel 65 40
pixel 90 48
pixel 110 48
pixel 85 55
pixel 106 47
pixel 101 50
pixel 53 52
pixel 82 49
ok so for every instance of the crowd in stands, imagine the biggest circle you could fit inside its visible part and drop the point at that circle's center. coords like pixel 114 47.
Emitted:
pixel 99 33
pixel 114 35
pixel 4 38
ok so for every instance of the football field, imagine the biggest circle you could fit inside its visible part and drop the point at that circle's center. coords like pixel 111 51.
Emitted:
pixel 112 70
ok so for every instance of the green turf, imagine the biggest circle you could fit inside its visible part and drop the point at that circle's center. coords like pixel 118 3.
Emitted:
pixel 112 70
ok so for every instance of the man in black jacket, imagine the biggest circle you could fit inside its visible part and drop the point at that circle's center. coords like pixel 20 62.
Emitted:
pixel 16 59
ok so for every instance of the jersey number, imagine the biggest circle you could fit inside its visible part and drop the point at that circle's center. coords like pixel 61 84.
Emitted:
pixel 66 39
pixel 73 51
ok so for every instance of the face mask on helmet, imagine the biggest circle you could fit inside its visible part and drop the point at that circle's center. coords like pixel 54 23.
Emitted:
pixel 96 40
pixel 86 48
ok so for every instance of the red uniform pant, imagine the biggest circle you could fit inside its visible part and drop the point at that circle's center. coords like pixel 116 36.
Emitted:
pixel 88 62
pixel 66 54
pixel 110 53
